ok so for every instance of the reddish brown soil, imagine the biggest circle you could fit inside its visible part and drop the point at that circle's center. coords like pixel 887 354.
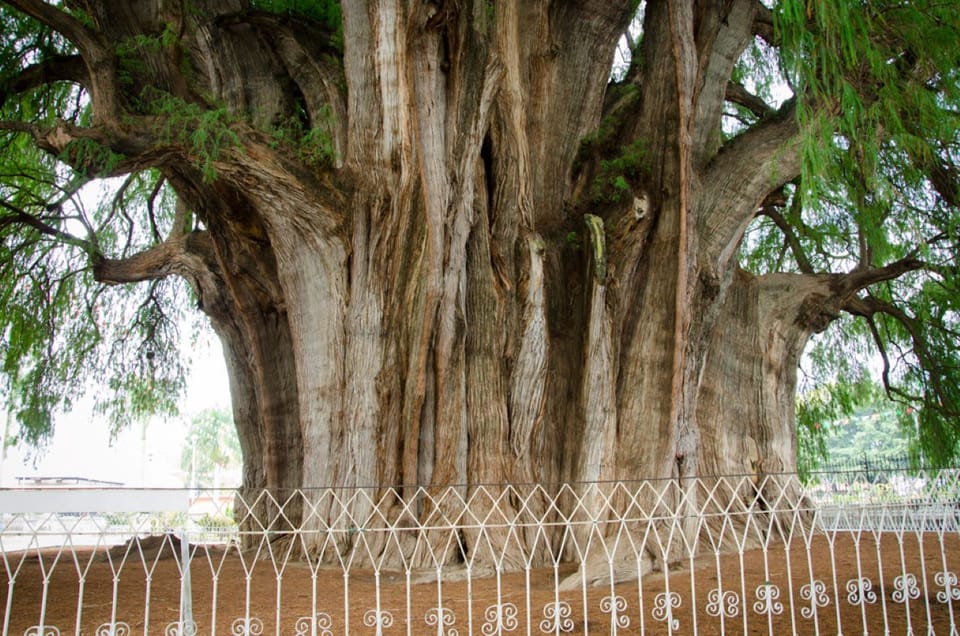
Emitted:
pixel 235 594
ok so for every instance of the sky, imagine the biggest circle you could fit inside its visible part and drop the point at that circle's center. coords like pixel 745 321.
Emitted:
pixel 137 457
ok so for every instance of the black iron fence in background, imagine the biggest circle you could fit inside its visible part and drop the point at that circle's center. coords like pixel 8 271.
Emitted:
pixel 871 466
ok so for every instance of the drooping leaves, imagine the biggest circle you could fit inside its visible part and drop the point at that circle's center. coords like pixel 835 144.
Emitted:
pixel 878 90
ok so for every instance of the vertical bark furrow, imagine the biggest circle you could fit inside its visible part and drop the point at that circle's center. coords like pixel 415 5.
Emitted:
pixel 486 388
pixel 528 376
pixel 364 357
pixel 598 396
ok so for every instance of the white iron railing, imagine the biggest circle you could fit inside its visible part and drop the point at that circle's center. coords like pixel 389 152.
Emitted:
pixel 724 555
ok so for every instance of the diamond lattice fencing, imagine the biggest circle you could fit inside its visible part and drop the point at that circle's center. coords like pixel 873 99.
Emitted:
pixel 846 553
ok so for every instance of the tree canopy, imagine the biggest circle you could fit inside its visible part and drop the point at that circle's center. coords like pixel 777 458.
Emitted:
pixel 89 120
pixel 211 449
pixel 877 89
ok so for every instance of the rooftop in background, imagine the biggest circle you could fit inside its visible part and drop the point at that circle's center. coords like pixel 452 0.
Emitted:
pixel 59 482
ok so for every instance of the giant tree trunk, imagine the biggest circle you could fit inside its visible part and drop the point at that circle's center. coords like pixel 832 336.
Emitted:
pixel 511 270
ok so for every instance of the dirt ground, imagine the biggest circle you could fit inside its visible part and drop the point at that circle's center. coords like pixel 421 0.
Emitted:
pixel 228 587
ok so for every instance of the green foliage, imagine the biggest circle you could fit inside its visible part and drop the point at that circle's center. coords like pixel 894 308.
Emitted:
pixel 24 41
pixel 606 139
pixel 131 52
pixel 205 132
pixel 878 93
pixel 819 409
pixel 875 84
pixel 61 334
pixel 217 522
pixel 212 446
pixel 612 181
pixel 316 148
pixel 313 146
pixel 857 425
pixel 326 13
pixel 620 164
pixel 138 44
pixel 102 161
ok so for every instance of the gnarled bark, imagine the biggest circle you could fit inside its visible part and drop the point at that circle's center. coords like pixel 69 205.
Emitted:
pixel 468 291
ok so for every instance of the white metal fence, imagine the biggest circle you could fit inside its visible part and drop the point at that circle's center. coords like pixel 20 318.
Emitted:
pixel 725 555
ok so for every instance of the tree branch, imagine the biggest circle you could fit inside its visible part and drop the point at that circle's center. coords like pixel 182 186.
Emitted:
pixel 868 306
pixel 64 23
pixel 59 68
pixel 17 216
pixel 186 255
pixel 747 169
pixel 888 386
pixel 792 241
pixel 95 51
pixel 859 279
pixel 723 31
pixel 132 153
pixel 763 24
pixel 738 94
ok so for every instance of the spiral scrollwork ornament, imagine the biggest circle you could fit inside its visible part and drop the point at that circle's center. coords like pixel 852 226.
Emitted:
pixel 767 603
pixel 725 603
pixel 616 606
pixel 180 628
pixel 556 618
pixel 114 629
pixel 860 591
pixel 443 619
pixel 251 626
pixel 499 618
pixel 816 593
pixel 663 605
pixel 377 618
pixel 948 581
pixel 306 625
pixel 905 587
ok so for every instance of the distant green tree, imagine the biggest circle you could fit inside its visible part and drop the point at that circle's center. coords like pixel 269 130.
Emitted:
pixel 818 411
pixel 211 448
pixel 873 433
pixel 851 421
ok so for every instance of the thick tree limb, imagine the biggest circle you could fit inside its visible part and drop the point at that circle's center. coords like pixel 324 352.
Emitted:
pixel 151 264
pixel 860 279
pixel 320 81
pixel 132 152
pixel 82 36
pixel 750 167
pixel 763 24
pixel 738 94
pixel 187 255
pixel 723 32
pixel 69 68
pixel 95 51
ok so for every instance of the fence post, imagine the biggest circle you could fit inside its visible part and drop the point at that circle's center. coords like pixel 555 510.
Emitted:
pixel 186 589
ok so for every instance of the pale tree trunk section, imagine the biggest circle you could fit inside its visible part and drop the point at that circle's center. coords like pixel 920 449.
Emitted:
pixel 746 397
